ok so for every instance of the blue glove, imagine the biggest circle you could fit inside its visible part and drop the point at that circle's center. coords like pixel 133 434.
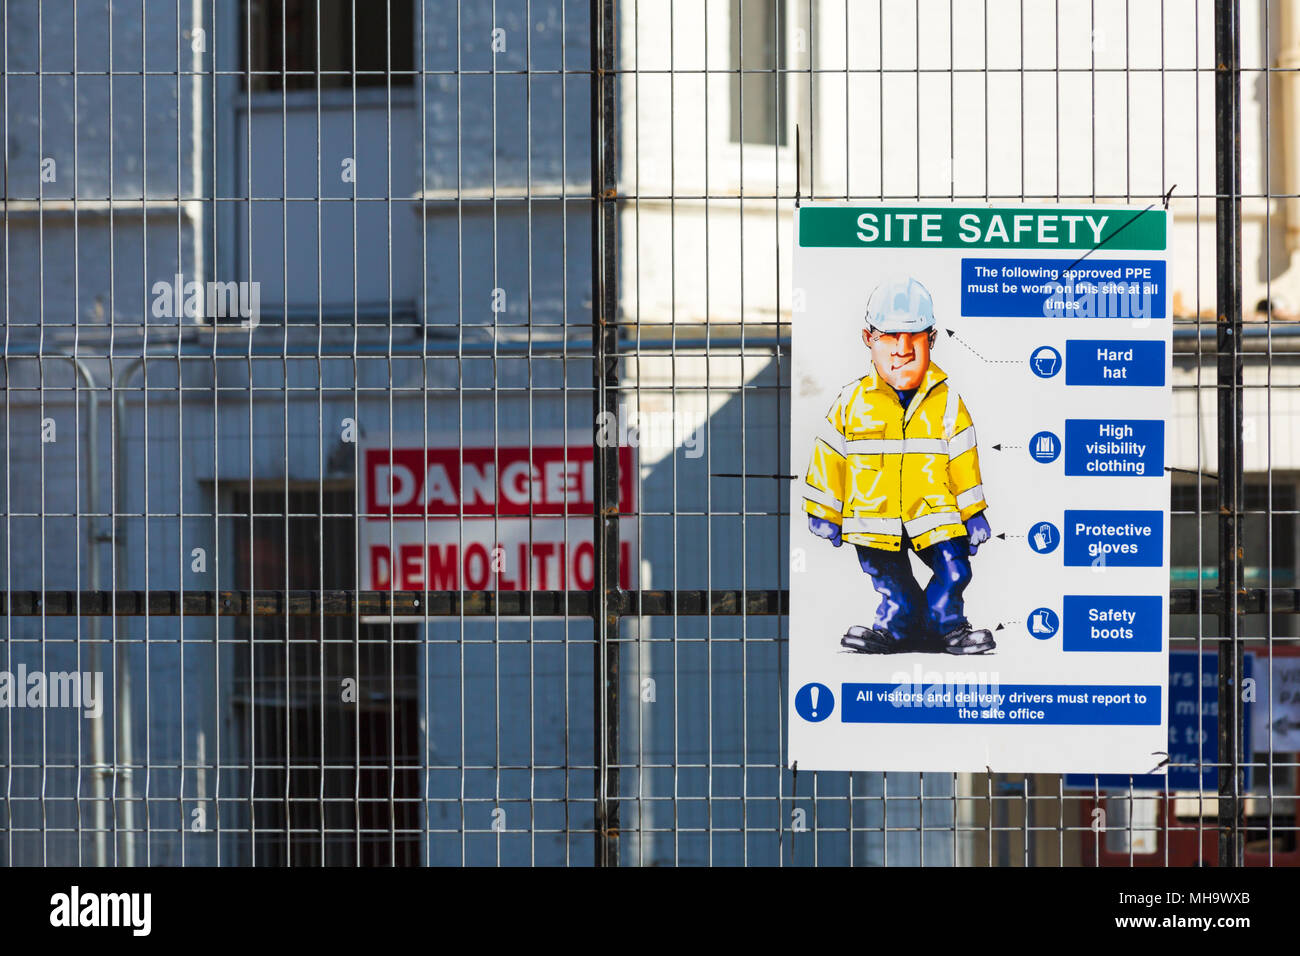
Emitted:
pixel 825 529
pixel 978 531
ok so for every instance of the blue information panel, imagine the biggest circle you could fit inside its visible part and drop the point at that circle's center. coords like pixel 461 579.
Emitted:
pixel 1118 622
pixel 1190 739
pixel 1086 704
pixel 1116 362
pixel 1092 288
pixel 1105 448
pixel 1120 539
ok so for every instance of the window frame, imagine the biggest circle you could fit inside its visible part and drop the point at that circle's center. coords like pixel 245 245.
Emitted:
pixel 404 79
pixel 767 168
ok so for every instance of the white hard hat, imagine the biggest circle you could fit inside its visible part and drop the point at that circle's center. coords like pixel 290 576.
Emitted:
pixel 900 304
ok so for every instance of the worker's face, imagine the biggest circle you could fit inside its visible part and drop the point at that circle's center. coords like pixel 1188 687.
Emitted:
pixel 901 358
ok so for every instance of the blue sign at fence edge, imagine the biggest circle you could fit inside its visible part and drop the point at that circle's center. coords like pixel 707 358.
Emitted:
pixel 1182 777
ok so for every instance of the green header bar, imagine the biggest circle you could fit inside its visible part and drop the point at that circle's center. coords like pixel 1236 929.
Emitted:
pixel 981 227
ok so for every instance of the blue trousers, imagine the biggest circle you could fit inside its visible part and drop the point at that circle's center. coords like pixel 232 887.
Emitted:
pixel 906 612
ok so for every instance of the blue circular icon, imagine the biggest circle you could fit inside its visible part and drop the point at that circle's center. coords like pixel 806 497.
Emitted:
pixel 1044 537
pixel 814 702
pixel 1043 623
pixel 1045 361
pixel 1045 448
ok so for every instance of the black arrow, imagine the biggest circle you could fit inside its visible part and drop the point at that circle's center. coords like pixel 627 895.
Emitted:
pixel 1004 624
pixel 1282 725
pixel 1004 536
pixel 976 352
pixel 999 447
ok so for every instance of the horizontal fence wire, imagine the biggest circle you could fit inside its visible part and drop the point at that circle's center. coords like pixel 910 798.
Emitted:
pixel 349 603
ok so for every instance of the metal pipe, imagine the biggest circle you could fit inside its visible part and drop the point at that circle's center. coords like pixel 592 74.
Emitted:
pixel 92 556
pixel 269 347
pixel 681 602
pixel 1288 65
pixel 1227 229
pixel 604 335
pixel 1257 335
pixel 122 765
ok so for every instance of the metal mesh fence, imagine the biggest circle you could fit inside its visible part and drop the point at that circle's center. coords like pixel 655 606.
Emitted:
pixel 396 397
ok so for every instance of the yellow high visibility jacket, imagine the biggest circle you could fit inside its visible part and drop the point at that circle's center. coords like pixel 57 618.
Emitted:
pixel 877 468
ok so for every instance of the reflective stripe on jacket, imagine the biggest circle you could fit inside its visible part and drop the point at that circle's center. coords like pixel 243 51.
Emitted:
pixel 877 469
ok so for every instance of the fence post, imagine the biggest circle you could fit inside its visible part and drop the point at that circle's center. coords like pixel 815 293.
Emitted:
pixel 604 338
pixel 1227 229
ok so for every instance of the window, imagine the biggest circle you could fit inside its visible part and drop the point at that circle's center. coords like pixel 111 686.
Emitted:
pixel 1268 533
pixel 333 781
pixel 292 39
pixel 1270 538
pixel 758 81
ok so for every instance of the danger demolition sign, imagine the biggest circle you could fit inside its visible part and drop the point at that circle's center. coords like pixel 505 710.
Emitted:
pixel 513 516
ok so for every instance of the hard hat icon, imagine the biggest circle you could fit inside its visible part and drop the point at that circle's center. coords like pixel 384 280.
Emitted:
pixel 900 304
pixel 1045 361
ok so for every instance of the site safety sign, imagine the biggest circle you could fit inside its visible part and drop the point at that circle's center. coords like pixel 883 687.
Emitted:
pixel 980 507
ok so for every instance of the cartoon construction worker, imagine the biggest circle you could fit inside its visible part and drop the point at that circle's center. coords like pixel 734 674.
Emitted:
pixel 895 466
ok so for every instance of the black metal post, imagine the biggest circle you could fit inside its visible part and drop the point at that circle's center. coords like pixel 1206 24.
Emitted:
pixel 604 335
pixel 1227 229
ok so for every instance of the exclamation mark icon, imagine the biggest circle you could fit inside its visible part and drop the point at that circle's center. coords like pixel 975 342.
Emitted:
pixel 814 702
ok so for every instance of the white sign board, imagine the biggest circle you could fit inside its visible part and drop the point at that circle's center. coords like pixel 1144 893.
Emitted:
pixel 511 515
pixel 980 507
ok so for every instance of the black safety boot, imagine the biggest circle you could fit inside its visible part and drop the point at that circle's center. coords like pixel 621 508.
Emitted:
pixel 868 640
pixel 964 639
